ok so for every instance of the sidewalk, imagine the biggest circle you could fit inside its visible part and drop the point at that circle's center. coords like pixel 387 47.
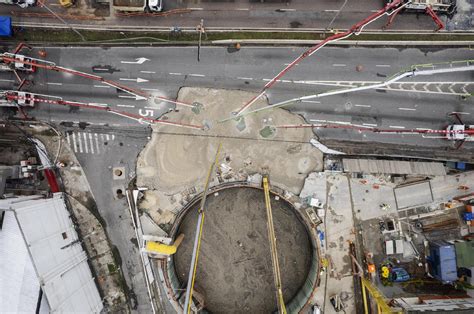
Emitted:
pixel 338 231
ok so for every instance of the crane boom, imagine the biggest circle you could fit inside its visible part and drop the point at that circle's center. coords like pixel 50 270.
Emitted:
pixel 273 247
pixel 197 238
pixel 7 57
pixel 388 9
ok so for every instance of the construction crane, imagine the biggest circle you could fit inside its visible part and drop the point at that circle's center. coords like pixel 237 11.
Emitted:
pixel 429 7
pixel 376 295
pixel 412 71
pixel 22 99
pixel 197 239
pixel 457 132
pixel 18 62
pixel 273 247
pixel 389 9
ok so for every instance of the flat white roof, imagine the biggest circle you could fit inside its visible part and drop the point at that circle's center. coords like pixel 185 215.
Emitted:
pixel 19 286
pixel 57 255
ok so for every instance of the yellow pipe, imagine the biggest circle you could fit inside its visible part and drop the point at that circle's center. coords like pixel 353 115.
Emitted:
pixel 364 297
pixel 189 299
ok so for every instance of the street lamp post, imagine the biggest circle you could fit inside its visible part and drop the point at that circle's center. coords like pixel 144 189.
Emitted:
pixel 200 28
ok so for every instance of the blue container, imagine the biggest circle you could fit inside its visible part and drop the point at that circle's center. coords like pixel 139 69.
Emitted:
pixel 467 216
pixel 461 165
pixel 5 26
pixel 443 261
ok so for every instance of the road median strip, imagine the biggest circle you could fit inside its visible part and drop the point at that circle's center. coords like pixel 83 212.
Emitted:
pixel 173 37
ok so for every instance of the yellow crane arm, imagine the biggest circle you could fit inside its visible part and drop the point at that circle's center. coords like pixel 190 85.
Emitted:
pixel 273 246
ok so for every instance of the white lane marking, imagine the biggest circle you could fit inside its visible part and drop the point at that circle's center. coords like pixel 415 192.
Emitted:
pixel 128 106
pixel 245 78
pixel 316 120
pixel 107 136
pixel 74 142
pixel 68 139
pixel 196 75
pixel 113 137
pixel 138 80
pixel 365 106
pixel 80 142
pixel 396 127
pixel 98 104
pixel 200 9
pixel 50 83
pixel 311 101
pixel 96 137
pixel 460 112
pixel 85 142
pixel 369 124
pixel 148 72
pixel 424 129
pixel 287 64
pixel 136 97
pixel 340 122
pixel 10 81
pixel 338 65
pixel 173 73
pixel 151 89
pixel 331 10
pixel 383 65
pixel 92 143
pixel 407 109
pixel 242 9
pixel 101 86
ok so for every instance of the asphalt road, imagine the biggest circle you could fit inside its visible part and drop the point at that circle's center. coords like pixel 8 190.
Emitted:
pixel 170 68
pixel 242 13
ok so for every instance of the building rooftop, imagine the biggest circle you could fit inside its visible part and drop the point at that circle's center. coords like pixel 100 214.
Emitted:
pixel 58 258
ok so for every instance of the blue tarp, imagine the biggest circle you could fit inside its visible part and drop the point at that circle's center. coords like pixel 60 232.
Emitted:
pixel 5 26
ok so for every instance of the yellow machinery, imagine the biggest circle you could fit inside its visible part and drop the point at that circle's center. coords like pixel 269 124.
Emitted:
pixel 160 249
pixel 375 294
pixel 272 239
pixel 66 3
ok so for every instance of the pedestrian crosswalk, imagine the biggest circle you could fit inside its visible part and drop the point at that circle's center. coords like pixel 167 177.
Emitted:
pixel 87 142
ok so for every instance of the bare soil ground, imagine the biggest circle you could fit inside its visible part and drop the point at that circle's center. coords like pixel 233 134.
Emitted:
pixel 235 270
pixel 176 158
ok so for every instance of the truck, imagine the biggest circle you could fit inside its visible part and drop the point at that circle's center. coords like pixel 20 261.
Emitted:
pixel 21 99
pixel 439 6
pixel 19 64
pixel 21 3
pixel 138 5
pixel 460 132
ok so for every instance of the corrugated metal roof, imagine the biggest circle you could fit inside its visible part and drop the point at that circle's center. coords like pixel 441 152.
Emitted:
pixel 19 286
pixel 393 167
pixel 57 255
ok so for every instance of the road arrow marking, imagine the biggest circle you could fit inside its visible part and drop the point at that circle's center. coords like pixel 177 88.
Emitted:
pixel 136 97
pixel 138 80
pixel 138 61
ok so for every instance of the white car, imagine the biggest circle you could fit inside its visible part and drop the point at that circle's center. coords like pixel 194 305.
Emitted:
pixel 155 5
